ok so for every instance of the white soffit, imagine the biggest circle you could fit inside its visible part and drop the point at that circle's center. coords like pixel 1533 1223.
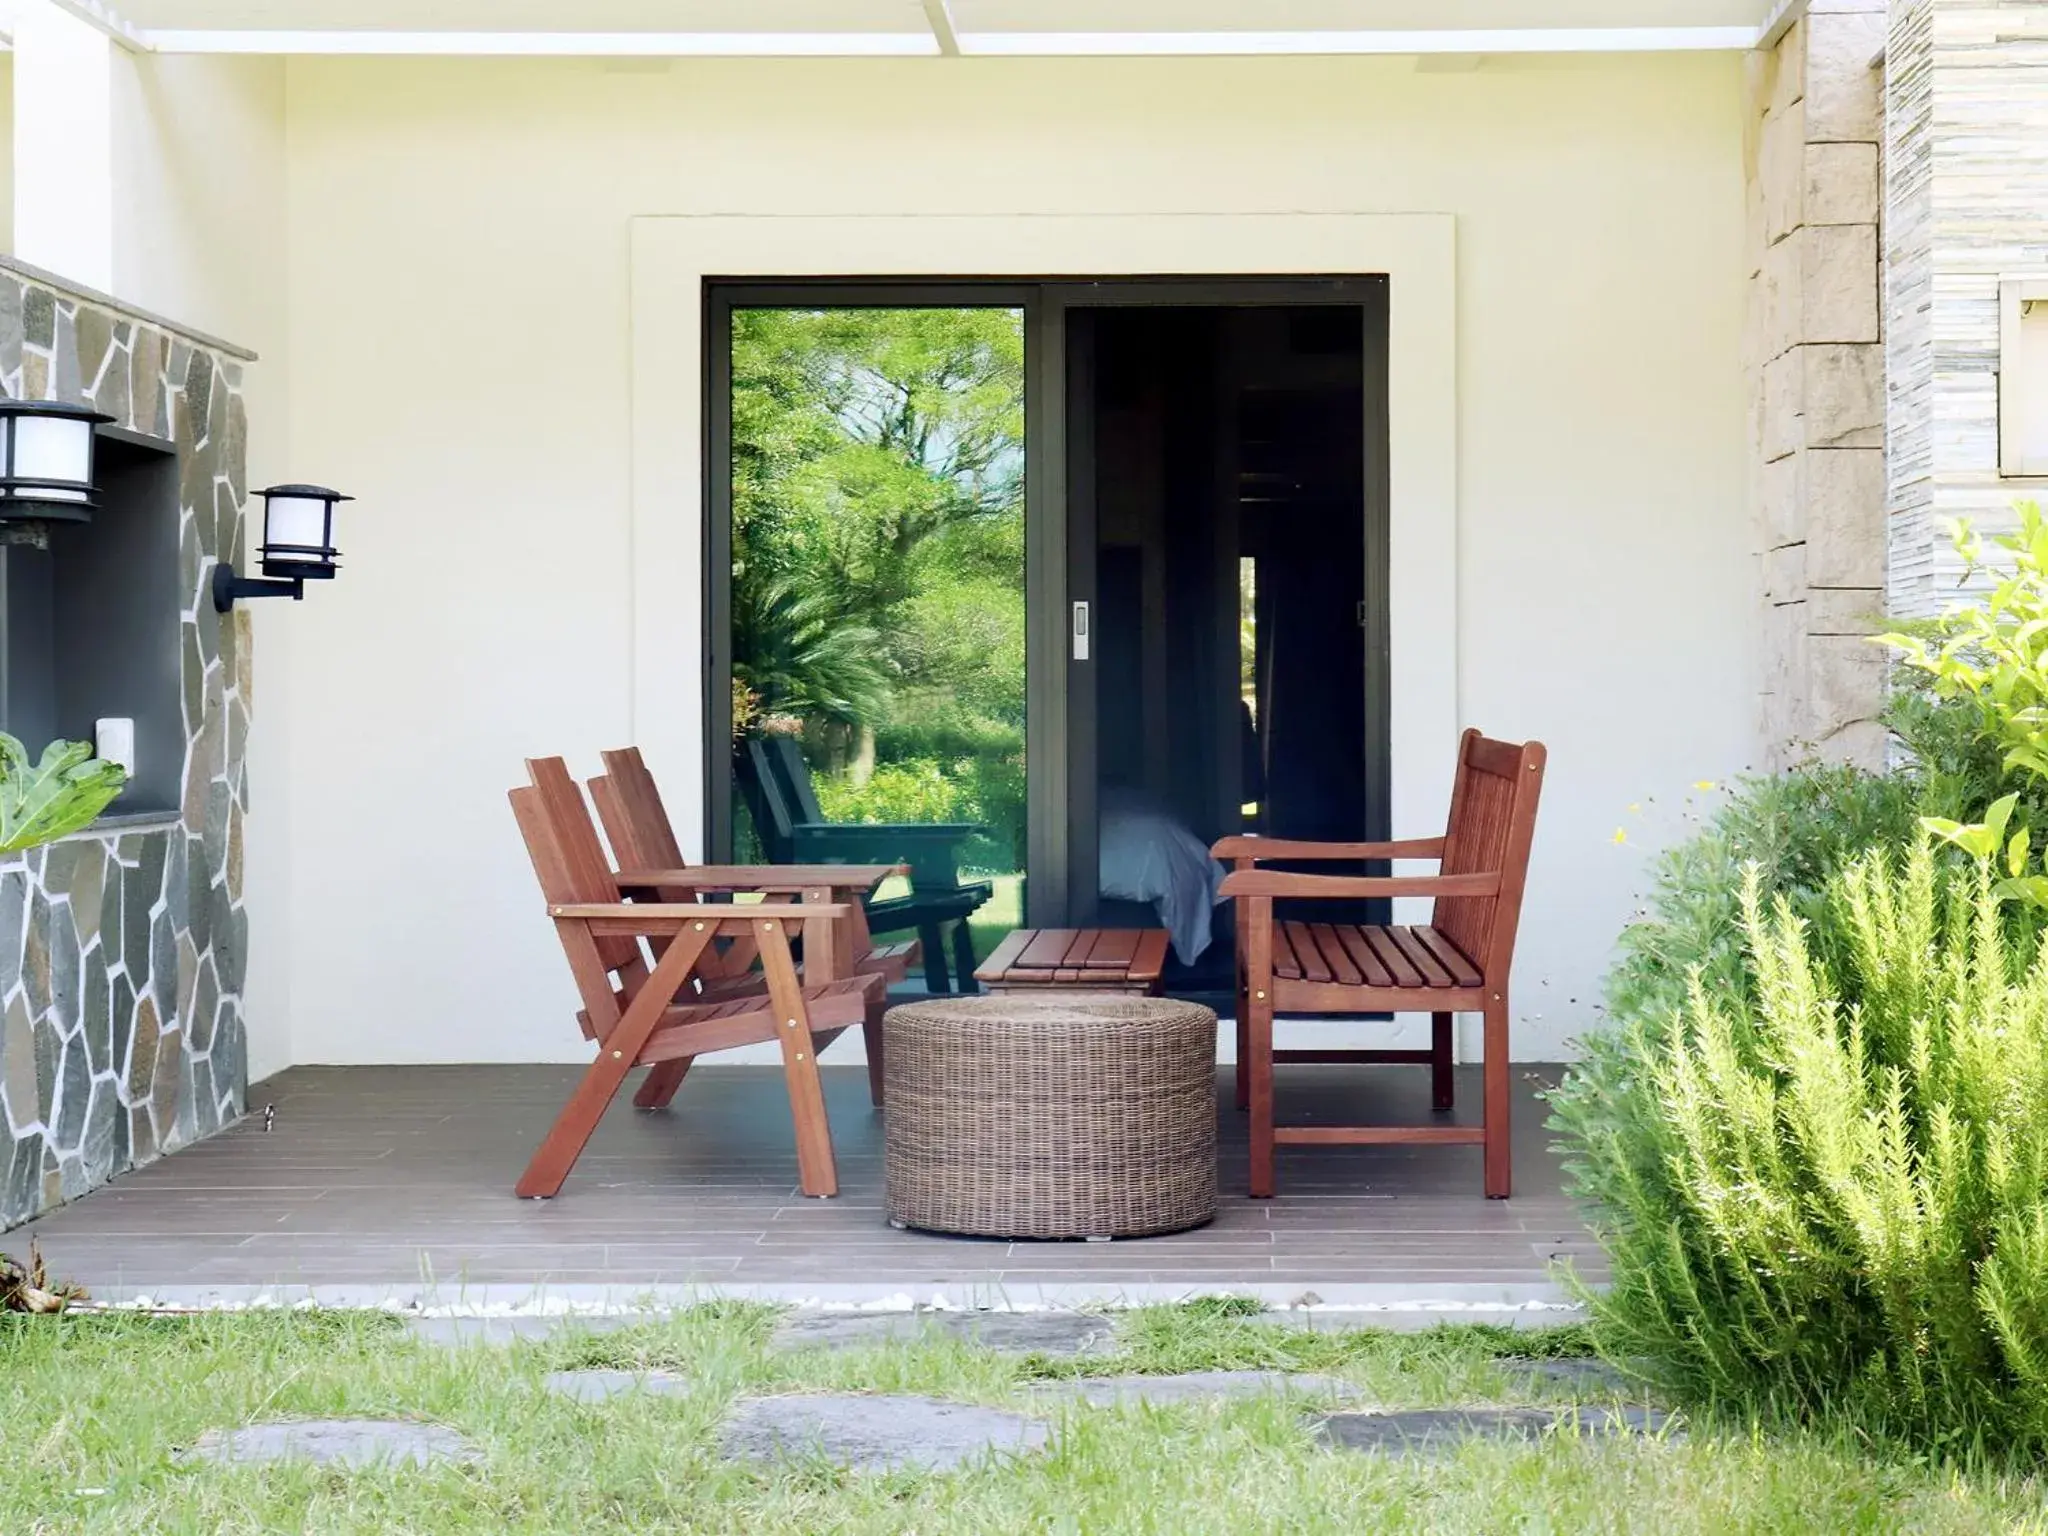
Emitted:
pixel 929 28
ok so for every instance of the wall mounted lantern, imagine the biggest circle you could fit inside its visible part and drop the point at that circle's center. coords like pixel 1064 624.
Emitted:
pixel 298 546
pixel 46 461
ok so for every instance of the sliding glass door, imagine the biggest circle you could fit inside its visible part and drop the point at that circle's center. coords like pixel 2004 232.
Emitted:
pixel 1040 587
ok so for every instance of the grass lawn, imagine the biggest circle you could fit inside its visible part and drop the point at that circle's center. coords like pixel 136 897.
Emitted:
pixel 1003 911
pixel 97 1407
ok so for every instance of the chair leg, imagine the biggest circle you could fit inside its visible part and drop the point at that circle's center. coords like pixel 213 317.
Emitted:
pixel 618 1054
pixel 1442 1085
pixel 963 957
pixel 661 1083
pixel 871 1038
pixel 1260 1048
pixel 817 1173
pixel 1499 1158
pixel 934 949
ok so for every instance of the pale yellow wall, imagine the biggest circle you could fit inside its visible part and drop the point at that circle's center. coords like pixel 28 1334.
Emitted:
pixel 460 357
pixel 199 236
pixel 7 152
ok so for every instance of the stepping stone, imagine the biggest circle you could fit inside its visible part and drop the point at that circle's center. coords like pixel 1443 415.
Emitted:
pixel 876 1434
pixel 1592 1377
pixel 1198 1387
pixel 1408 1320
pixel 454 1332
pixel 1438 1428
pixel 601 1386
pixel 337 1443
pixel 1020 1333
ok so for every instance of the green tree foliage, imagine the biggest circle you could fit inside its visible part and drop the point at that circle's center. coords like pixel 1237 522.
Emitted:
pixel 878 554
pixel 878 476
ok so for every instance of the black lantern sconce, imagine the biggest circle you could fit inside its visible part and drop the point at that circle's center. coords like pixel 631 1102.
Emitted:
pixel 298 546
pixel 46 452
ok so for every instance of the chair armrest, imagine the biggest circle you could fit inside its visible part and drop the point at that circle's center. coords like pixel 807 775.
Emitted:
pixel 1255 848
pixel 627 919
pixel 1272 882
pixel 762 877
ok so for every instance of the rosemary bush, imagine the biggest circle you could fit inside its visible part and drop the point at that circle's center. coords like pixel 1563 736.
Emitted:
pixel 1836 1198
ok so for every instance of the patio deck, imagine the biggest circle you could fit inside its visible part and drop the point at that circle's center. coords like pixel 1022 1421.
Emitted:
pixel 380 1180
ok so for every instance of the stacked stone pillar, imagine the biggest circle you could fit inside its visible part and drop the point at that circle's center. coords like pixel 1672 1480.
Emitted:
pixel 1814 121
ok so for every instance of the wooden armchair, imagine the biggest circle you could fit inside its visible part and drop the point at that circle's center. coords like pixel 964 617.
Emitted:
pixel 1457 962
pixel 775 783
pixel 650 865
pixel 638 969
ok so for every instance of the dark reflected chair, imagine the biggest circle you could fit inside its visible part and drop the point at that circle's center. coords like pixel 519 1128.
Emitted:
pixel 774 783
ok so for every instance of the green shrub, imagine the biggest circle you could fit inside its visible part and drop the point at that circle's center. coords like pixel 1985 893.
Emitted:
pixel 1840 1200
pixel 1798 829
pixel 985 791
pixel 919 790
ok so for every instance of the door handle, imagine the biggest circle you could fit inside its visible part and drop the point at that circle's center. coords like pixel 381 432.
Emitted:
pixel 1080 631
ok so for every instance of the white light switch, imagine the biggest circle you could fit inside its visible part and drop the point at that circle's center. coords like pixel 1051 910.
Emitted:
pixel 114 742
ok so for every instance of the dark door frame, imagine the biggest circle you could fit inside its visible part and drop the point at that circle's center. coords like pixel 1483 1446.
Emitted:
pixel 1060 837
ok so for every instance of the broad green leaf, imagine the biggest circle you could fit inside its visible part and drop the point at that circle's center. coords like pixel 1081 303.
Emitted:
pixel 63 793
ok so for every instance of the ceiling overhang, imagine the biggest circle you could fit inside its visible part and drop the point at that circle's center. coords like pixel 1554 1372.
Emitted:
pixel 942 28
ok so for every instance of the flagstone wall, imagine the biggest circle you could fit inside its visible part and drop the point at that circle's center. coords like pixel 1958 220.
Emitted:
pixel 123 949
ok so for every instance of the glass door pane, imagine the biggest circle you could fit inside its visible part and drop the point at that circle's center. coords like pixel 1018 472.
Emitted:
pixel 877 607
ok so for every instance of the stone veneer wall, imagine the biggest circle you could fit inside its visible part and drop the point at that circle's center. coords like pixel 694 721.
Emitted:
pixel 1966 201
pixel 1816 361
pixel 122 951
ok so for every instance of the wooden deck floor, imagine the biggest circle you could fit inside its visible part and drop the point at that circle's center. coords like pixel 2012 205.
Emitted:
pixel 391 1177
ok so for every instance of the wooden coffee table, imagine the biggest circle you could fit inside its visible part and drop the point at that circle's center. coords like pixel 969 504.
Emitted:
pixel 1085 959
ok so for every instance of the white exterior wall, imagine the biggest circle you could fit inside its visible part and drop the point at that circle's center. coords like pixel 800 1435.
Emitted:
pixel 461 350
pixel 199 189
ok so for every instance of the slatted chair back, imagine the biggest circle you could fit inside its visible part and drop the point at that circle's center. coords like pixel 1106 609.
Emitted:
pixel 584 869
pixel 775 818
pixel 636 823
pixel 793 777
pixel 1492 825
pixel 594 962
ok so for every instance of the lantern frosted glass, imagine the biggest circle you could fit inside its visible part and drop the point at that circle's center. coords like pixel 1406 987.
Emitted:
pixel 298 531
pixel 46 459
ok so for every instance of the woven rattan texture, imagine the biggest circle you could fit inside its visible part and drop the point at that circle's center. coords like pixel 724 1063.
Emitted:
pixel 1056 1116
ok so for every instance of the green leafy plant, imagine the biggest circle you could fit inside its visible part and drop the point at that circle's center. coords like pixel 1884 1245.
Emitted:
pixel 1991 655
pixel 1994 651
pixel 63 793
pixel 1837 1201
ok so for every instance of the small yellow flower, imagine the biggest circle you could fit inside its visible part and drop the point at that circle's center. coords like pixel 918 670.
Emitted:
pixel 1621 834
pixel 1704 784
pixel 1635 810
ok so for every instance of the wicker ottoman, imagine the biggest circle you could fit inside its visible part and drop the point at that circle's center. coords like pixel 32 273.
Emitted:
pixel 1051 1115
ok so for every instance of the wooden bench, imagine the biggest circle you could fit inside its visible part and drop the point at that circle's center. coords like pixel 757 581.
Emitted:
pixel 1085 959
